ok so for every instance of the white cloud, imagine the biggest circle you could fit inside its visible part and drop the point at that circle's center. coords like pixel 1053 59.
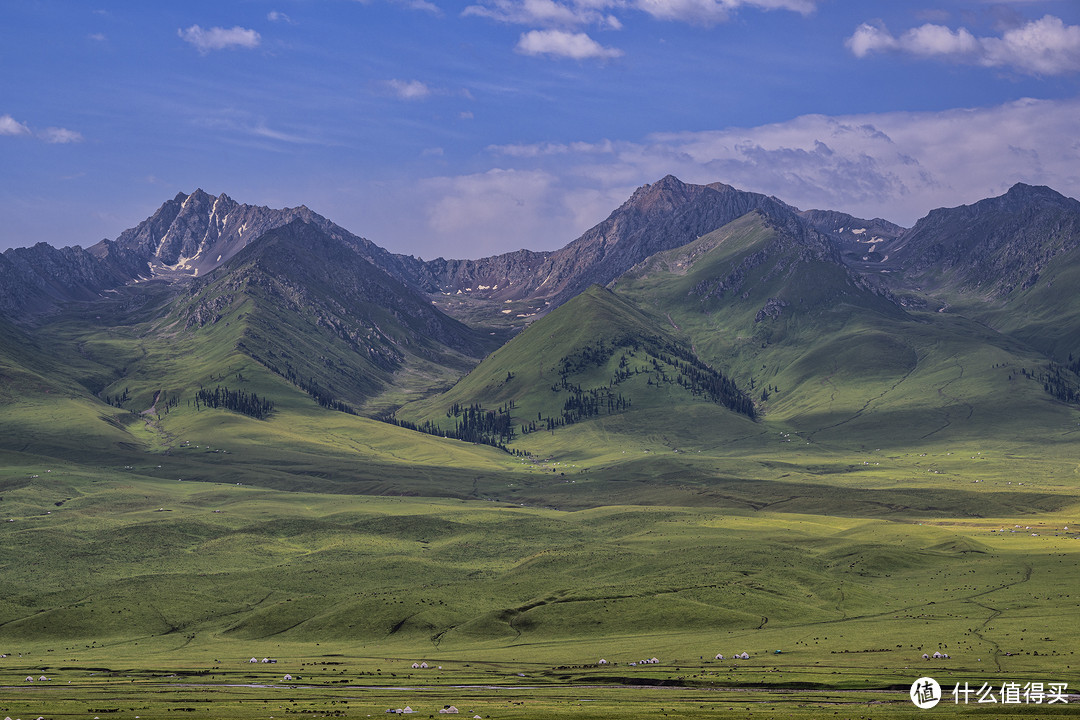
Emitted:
pixel 558 43
pixel 11 126
pixel 1045 47
pixel 1039 47
pixel 275 16
pixel 408 89
pixel 60 136
pixel 217 38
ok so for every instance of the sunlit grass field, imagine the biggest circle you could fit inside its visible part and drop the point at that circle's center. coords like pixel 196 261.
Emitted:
pixel 138 589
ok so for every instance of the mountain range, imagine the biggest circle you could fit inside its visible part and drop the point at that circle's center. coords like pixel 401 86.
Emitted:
pixel 732 306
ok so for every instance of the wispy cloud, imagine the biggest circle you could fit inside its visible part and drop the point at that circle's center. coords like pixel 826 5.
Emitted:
pixel 276 16
pixel 409 89
pixel 559 43
pixel 60 136
pixel 421 5
pixel 711 12
pixel 548 13
pixel 261 130
pixel 54 135
pixel 578 13
pixel 218 38
pixel 1040 47
pixel 11 126
pixel 542 149
pixel 557 19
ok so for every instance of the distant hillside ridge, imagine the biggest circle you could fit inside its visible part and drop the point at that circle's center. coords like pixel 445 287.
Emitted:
pixel 997 245
pixel 659 216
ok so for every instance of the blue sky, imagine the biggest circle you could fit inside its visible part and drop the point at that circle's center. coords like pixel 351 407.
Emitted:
pixel 473 127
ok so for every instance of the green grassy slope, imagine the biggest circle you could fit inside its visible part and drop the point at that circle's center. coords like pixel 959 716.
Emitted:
pixel 134 349
pixel 598 348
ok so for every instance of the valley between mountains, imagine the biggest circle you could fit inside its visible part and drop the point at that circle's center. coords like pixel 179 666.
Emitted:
pixel 714 423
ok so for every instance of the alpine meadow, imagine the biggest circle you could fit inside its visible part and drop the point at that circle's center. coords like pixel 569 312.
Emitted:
pixel 718 457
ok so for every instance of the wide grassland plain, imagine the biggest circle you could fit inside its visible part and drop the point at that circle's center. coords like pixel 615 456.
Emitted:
pixel 146 557
pixel 140 594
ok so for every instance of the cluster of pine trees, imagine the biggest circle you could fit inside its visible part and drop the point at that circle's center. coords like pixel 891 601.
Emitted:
pixel 700 379
pixel 165 403
pixel 236 400
pixel 474 424
pixel 581 404
pixel 662 356
pixel 118 400
pixel 1060 382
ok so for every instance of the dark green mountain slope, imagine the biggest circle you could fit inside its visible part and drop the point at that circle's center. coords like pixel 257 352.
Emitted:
pixel 312 309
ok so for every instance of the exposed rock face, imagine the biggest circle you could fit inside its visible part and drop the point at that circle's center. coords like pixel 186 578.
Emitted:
pixel 35 278
pixel 859 240
pixel 999 244
pixel 497 273
pixel 193 234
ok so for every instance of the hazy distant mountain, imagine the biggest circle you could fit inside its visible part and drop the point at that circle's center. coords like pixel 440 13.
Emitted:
pixel 491 275
pixel 994 246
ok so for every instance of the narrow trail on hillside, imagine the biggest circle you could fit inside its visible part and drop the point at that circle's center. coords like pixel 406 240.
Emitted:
pixel 954 400
pixel 867 404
